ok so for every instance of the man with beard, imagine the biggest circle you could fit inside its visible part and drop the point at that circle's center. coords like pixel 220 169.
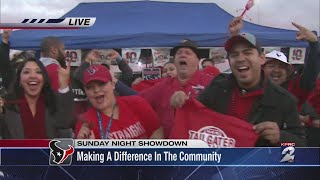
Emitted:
pixel 52 50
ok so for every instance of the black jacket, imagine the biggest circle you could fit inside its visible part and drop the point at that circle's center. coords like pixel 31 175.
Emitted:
pixel 58 124
pixel 6 72
pixel 275 105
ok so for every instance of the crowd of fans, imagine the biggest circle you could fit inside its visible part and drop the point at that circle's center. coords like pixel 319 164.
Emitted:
pixel 263 90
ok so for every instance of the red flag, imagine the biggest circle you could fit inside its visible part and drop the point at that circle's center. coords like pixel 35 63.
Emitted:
pixel 195 121
pixel 248 6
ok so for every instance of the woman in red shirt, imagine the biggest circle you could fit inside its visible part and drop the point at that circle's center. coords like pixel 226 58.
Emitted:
pixel 111 117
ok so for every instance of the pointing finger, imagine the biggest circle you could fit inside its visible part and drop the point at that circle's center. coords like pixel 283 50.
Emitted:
pixel 297 26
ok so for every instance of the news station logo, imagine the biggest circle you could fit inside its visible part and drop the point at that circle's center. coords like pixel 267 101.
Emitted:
pixel 61 151
pixel 287 152
pixel 63 23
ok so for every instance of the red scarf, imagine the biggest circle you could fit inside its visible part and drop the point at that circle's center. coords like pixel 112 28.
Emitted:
pixel 34 126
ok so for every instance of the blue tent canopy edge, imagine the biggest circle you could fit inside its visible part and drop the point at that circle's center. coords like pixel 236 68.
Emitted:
pixel 151 24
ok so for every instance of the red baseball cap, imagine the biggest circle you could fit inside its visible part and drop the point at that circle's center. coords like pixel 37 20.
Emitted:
pixel 96 72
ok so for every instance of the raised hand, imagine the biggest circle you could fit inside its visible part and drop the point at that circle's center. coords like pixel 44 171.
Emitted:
pixel 6 35
pixel 64 76
pixel 93 56
pixel 113 55
pixel 235 26
pixel 305 34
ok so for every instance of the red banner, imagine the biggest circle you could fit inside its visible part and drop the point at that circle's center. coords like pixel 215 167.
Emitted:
pixel 195 121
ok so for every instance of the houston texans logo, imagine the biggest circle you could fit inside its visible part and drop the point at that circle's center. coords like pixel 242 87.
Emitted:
pixel 92 70
pixel 59 155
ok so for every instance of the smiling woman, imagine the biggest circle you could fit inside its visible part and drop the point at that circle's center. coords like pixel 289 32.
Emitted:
pixel 32 110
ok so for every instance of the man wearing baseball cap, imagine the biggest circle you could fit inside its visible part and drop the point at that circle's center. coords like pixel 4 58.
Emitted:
pixel 277 69
pixel 280 72
pixel 189 80
pixel 243 94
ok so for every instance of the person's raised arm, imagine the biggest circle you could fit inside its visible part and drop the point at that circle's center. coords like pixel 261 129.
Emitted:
pixel 127 72
pixel 235 26
pixel 312 63
pixel 6 70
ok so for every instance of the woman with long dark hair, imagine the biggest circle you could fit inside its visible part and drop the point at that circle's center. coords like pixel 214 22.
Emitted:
pixel 31 109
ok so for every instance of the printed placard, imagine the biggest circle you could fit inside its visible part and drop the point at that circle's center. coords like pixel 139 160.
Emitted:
pixel 297 55
pixel 160 56
pixel 218 54
pixel 132 55
pixel 151 73
pixel 74 56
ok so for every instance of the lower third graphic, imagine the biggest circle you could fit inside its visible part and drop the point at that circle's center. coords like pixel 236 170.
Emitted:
pixel 61 151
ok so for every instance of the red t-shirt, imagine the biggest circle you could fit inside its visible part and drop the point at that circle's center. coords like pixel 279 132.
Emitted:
pixel 195 121
pixel 159 96
pixel 137 120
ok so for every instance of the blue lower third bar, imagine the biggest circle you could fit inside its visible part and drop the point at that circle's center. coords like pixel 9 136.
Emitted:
pixel 163 157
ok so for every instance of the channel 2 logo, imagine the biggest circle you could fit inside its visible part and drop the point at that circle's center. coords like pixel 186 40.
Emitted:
pixel 287 153
pixel 61 151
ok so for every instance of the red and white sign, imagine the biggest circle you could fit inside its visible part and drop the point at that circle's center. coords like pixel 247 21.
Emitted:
pixel 160 56
pixel 132 55
pixel 74 56
pixel 297 55
pixel 151 73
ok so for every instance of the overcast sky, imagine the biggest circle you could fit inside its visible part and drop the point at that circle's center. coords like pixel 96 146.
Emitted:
pixel 273 13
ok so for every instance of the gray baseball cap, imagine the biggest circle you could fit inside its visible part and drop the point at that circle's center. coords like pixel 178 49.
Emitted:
pixel 250 38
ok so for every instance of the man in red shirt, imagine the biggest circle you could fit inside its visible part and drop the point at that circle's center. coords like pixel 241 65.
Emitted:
pixel 189 80
pixel 52 49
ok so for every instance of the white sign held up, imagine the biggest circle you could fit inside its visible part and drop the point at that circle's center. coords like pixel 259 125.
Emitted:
pixel 74 56
pixel 297 55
